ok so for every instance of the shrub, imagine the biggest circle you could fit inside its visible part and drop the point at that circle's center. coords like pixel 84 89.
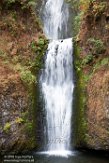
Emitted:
pixel 97 45
pixel 99 7
pixel 28 77
pixel 88 59
pixel 105 61
pixel 24 3
pixel 33 46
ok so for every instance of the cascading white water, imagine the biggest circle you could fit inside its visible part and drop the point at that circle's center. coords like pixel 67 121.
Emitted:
pixel 55 19
pixel 57 78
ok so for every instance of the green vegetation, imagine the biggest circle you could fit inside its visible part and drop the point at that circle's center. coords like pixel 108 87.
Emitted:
pixel 27 122
pixel 81 88
pixel 19 120
pixel 25 116
pixel 101 63
pixel 81 7
pixel 7 127
pixel 91 60
pixel 3 54
pixel 84 5
pixel 80 99
pixel 96 45
pixel 99 8
pixel 87 59
pixel 29 127
pixel 27 77
pixel 10 2
pixel 39 48
pixel 33 46
pixel 27 70
pixel 105 61
pixel 77 23
pixel 25 4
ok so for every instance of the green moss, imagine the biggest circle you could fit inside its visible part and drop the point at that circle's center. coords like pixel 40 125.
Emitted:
pixel 29 127
pixel 7 127
pixel 40 48
pixel 19 120
pixel 25 115
pixel 27 77
pixel 80 100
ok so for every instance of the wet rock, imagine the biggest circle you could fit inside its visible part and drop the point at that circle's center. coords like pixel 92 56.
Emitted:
pixel 14 102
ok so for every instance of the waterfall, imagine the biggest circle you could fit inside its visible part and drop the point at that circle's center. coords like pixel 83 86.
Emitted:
pixel 57 78
pixel 55 19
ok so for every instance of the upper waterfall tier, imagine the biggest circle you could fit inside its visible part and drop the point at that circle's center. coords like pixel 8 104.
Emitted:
pixel 55 18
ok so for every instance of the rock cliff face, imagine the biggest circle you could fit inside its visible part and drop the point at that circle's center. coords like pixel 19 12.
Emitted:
pixel 13 104
pixel 21 46
pixel 98 109
pixel 93 41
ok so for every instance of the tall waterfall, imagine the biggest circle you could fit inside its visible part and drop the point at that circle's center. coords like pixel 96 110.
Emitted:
pixel 57 78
